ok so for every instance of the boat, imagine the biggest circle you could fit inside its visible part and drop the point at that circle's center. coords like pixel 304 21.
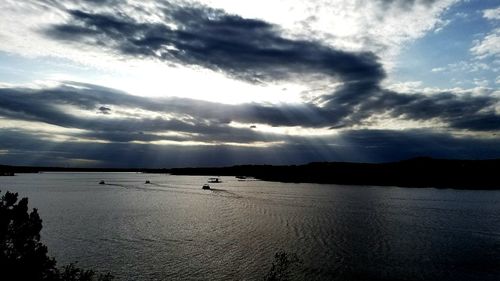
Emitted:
pixel 205 186
pixel 102 182
pixel 214 180
pixel 7 174
pixel 147 182
pixel 241 177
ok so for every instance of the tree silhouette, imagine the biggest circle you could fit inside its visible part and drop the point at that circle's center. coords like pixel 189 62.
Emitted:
pixel 22 255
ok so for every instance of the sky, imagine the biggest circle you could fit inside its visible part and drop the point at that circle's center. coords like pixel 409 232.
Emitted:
pixel 126 83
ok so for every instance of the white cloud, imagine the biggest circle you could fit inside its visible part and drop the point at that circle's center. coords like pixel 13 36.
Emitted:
pixel 489 46
pixel 441 24
pixel 492 14
pixel 481 82
pixel 468 66
pixel 417 87
pixel 461 15
pixel 438 69
pixel 405 87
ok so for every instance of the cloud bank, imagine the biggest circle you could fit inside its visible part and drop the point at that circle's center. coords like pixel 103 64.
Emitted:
pixel 74 112
pixel 355 119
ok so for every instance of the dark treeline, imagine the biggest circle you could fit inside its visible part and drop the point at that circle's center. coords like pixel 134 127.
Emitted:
pixel 417 172
pixel 34 169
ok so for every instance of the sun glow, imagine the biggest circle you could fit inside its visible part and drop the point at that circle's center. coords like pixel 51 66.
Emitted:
pixel 156 79
pixel 286 130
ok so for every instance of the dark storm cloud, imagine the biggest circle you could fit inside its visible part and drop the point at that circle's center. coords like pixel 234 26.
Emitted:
pixel 210 122
pixel 389 145
pixel 255 50
pixel 458 111
pixel 104 110
pixel 480 122
pixel 47 106
pixel 245 48
pixel 354 145
pixel 20 146
pixel 357 145
pixel 42 105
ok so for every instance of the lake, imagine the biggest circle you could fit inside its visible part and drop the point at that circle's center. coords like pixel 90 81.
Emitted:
pixel 171 229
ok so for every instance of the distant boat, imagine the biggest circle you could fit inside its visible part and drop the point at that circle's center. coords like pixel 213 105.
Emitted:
pixel 147 182
pixel 214 180
pixel 205 186
pixel 7 174
pixel 102 182
pixel 241 177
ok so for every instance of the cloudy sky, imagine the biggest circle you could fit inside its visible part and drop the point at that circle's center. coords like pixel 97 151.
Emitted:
pixel 127 83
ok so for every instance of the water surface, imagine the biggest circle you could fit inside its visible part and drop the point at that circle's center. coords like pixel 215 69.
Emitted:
pixel 171 229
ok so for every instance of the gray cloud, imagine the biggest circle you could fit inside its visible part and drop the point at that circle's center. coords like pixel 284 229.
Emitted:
pixel 104 110
pixel 210 122
pixel 355 145
pixel 255 50
pixel 456 110
pixel 206 122
pixel 245 48
pixel 248 49
pixel 45 106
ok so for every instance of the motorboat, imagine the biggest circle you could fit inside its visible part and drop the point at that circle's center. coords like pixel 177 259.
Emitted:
pixel 214 180
pixel 102 182
pixel 205 186
pixel 147 182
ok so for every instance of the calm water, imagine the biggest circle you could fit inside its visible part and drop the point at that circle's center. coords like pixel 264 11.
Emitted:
pixel 171 229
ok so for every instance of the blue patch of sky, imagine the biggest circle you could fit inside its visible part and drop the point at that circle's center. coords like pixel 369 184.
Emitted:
pixel 17 69
pixel 446 50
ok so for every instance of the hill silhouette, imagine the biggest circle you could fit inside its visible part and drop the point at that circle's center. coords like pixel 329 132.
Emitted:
pixel 416 172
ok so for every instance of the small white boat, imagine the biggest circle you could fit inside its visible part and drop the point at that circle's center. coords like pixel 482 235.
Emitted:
pixel 214 180
pixel 205 186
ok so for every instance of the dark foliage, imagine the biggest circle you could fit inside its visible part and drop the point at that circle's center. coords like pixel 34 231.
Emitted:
pixel 417 172
pixel 72 273
pixel 22 255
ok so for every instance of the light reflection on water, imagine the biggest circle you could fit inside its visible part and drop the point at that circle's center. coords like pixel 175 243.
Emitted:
pixel 172 229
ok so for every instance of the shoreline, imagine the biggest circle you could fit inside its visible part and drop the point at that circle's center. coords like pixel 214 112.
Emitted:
pixel 414 173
